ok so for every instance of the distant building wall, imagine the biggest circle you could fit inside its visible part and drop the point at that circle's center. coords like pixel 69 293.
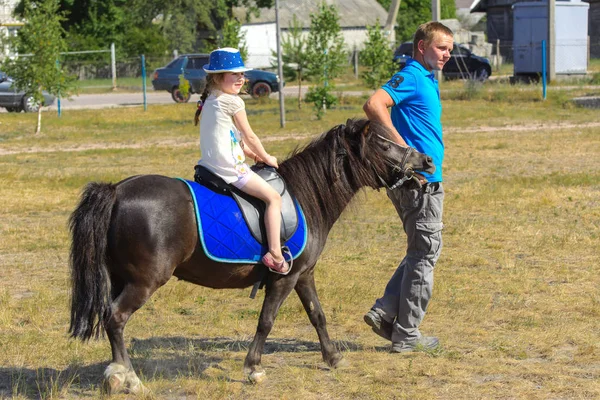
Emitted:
pixel 8 24
pixel 261 40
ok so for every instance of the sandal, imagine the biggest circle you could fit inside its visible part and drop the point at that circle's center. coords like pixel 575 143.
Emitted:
pixel 282 267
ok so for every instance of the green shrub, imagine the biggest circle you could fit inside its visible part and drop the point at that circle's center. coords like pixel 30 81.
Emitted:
pixel 321 98
pixel 184 86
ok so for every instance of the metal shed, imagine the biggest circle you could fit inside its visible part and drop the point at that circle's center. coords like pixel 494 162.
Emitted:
pixel 571 30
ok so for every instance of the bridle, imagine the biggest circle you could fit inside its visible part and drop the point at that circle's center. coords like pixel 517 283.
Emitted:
pixel 400 173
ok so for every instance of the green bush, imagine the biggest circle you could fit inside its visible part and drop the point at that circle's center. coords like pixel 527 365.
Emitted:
pixel 321 98
pixel 377 57
pixel 184 86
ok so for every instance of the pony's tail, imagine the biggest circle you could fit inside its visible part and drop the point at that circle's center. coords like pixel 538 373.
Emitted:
pixel 90 280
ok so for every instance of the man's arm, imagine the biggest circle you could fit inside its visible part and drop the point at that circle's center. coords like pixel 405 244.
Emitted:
pixel 376 109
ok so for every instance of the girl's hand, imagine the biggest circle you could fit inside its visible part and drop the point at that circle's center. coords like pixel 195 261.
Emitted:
pixel 272 161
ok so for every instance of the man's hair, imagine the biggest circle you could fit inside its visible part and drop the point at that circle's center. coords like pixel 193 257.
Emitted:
pixel 427 31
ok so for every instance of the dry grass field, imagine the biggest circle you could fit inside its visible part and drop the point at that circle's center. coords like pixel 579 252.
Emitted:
pixel 516 302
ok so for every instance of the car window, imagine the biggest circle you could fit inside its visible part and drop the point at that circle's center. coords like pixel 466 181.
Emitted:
pixel 173 63
pixel 197 62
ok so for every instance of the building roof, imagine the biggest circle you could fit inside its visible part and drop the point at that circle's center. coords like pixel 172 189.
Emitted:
pixel 352 13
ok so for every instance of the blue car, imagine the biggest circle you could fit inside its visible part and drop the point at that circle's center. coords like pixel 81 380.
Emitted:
pixel 259 83
pixel 17 101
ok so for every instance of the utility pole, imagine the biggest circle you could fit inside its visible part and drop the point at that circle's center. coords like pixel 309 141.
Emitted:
pixel 388 29
pixel 551 41
pixel 279 67
pixel 436 15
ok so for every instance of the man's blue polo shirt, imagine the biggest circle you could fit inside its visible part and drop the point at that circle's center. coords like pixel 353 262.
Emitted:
pixel 417 112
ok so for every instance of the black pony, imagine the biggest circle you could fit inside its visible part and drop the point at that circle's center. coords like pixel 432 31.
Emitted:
pixel 129 238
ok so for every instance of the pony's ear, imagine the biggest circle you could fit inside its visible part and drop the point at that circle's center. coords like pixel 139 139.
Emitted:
pixel 366 128
pixel 364 138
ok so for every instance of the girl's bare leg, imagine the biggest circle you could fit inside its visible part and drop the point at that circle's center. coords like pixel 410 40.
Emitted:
pixel 259 188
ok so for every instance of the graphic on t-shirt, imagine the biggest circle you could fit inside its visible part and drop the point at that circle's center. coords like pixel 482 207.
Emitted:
pixel 396 81
pixel 238 155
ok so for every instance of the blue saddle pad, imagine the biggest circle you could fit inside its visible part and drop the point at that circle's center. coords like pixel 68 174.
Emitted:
pixel 224 234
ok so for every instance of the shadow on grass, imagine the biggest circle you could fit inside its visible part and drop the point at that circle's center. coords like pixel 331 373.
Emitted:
pixel 229 344
pixel 86 381
pixel 48 382
pixel 154 358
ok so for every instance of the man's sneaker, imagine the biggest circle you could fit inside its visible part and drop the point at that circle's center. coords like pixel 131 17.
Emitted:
pixel 423 343
pixel 379 325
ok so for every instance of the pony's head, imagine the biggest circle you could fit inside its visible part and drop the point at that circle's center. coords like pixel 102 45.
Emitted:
pixel 375 158
pixel 328 171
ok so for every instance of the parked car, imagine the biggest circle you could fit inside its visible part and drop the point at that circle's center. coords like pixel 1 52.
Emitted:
pixel 17 101
pixel 462 65
pixel 259 83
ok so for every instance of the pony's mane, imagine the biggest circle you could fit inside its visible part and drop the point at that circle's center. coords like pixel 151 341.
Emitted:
pixel 325 174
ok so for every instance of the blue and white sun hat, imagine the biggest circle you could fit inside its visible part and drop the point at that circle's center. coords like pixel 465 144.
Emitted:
pixel 226 59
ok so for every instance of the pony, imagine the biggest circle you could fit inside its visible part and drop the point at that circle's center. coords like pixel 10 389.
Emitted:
pixel 129 238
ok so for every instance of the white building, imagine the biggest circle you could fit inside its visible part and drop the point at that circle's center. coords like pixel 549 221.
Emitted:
pixel 8 24
pixel 354 17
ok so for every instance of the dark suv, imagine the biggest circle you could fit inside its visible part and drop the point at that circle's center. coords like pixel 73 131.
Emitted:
pixel 259 83
pixel 462 65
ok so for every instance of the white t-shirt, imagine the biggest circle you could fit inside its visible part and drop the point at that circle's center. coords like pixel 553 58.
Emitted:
pixel 220 140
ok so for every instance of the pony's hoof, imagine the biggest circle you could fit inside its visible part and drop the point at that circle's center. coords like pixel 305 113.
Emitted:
pixel 341 364
pixel 113 384
pixel 114 378
pixel 338 362
pixel 119 379
pixel 134 384
pixel 257 377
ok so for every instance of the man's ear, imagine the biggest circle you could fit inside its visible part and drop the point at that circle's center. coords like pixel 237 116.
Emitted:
pixel 421 46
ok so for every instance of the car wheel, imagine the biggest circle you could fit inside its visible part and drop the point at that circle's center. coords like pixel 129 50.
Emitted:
pixel 30 104
pixel 260 89
pixel 481 74
pixel 178 97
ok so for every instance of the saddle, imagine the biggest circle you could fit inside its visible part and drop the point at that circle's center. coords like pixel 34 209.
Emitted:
pixel 253 209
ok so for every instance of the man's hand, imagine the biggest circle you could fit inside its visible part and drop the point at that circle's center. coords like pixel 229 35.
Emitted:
pixel 420 178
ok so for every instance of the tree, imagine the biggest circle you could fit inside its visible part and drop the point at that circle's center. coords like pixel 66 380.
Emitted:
pixel 42 40
pixel 325 56
pixel 142 26
pixel 377 56
pixel 150 27
pixel 232 36
pixel 413 13
pixel 293 56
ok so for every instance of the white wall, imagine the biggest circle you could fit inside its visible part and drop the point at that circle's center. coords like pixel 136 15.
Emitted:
pixel 261 41
pixel 12 25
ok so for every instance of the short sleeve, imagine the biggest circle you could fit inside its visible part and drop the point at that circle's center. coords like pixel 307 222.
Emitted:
pixel 231 104
pixel 401 87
